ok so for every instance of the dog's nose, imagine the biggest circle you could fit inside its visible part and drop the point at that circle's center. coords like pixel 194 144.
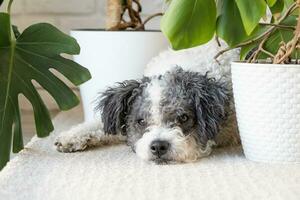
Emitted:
pixel 159 148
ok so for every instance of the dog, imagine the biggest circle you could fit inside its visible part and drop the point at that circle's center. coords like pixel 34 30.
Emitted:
pixel 177 113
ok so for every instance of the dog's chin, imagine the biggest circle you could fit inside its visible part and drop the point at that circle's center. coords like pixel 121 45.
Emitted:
pixel 161 161
pixel 164 161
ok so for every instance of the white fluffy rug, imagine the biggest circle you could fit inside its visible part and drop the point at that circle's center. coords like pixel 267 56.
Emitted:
pixel 39 172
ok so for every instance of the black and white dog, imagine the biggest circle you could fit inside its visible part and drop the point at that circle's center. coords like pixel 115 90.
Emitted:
pixel 176 115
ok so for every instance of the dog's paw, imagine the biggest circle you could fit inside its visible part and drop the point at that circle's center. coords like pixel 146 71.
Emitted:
pixel 69 143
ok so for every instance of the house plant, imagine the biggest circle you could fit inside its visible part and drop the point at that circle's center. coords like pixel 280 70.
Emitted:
pixel 26 57
pixel 124 48
pixel 266 80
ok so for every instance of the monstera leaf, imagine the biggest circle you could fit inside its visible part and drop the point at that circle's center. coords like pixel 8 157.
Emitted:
pixel 28 58
pixel 189 23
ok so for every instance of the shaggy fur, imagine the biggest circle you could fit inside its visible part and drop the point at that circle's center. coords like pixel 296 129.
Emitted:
pixel 174 114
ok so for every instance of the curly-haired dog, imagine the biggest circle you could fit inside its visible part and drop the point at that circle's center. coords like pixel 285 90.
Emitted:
pixel 174 116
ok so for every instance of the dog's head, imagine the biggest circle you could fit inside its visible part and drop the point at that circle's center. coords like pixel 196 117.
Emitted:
pixel 166 118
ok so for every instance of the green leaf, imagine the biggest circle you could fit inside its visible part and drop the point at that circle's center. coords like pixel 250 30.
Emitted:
pixel 219 4
pixel 189 23
pixel 28 58
pixel 271 2
pixel 245 50
pixel 229 24
pixel 16 31
pixel 277 7
pixel 287 3
pixel 251 12
pixel 4 30
pixel 273 43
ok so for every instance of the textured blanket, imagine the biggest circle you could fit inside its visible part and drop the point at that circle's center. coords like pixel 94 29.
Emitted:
pixel 39 172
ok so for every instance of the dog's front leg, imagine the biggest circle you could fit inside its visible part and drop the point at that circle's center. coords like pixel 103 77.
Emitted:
pixel 85 135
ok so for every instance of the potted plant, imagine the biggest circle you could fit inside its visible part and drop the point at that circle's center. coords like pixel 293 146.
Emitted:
pixel 266 82
pixel 26 57
pixel 117 53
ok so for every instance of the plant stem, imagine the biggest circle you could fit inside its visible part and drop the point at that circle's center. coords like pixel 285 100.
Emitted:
pixel 12 35
pixel 130 7
pixel 279 26
pixel 267 52
pixel 286 14
pixel 133 14
pixel 11 64
pixel 142 26
pixel 291 45
pixel 9 6
pixel 218 41
pixel 260 48
pixel 114 13
pixel 138 5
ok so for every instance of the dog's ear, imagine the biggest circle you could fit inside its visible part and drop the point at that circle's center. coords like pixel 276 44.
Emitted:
pixel 115 103
pixel 210 98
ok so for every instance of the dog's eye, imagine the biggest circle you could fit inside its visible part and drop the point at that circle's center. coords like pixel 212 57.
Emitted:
pixel 141 122
pixel 183 118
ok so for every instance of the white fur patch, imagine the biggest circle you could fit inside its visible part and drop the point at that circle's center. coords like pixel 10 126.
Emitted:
pixel 197 59
pixel 83 135
pixel 155 92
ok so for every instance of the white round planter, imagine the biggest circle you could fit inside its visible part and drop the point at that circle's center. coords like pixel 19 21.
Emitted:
pixel 113 56
pixel 267 101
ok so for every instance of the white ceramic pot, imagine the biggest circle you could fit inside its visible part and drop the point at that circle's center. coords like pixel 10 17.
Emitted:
pixel 113 56
pixel 267 101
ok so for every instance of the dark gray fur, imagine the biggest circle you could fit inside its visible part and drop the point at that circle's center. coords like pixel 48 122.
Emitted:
pixel 115 103
pixel 210 97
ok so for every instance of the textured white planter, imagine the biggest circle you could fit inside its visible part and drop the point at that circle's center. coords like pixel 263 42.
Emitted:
pixel 113 56
pixel 267 101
